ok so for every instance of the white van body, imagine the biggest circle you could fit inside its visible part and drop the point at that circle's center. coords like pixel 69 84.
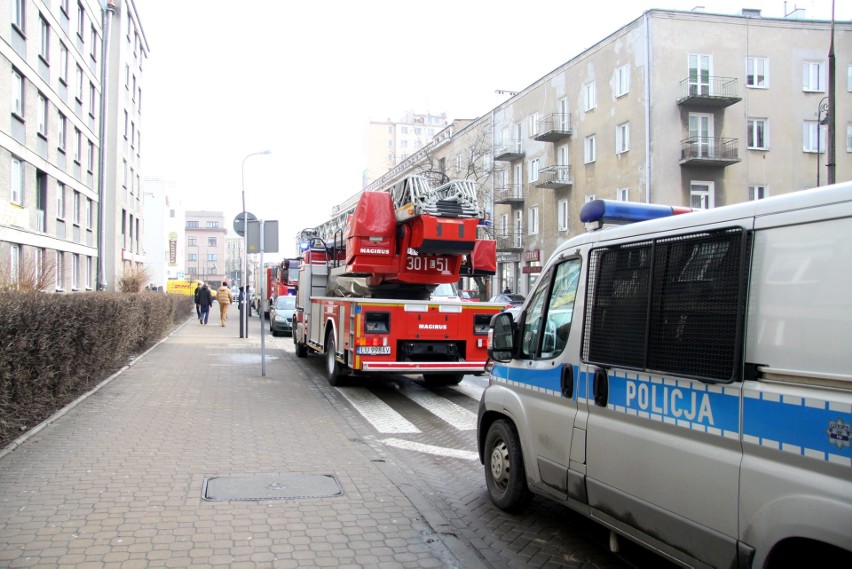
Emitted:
pixel 687 382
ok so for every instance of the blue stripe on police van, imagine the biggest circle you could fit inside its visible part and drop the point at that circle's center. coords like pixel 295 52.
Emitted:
pixel 709 408
pixel 547 381
pixel 815 428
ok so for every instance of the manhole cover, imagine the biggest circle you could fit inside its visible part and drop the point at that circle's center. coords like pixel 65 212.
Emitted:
pixel 281 487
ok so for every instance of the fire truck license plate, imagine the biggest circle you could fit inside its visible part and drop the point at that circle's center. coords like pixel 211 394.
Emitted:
pixel 373 350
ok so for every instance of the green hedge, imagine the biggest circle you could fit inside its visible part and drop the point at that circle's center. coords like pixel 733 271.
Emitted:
pixel 55 347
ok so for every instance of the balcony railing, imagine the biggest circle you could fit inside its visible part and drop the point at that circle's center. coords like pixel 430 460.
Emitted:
pixel 510 241
pixel 508 150
pixel 554 177
pixel 704 151
pixel 717 92
pixel 509 193
pixel 553 127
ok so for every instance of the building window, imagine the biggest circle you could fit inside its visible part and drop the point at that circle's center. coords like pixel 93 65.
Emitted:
pixel 15 264
pixel 59 270
pixel 562 215
pixel 211 241
pixel 757 72
pixel 813 78
pixel 532 220
pixel 88 275
pixel 90 214
pixel 622 194
pixel 590 100
pixel 589 198
pixel 533 124
pixel 18 14
pixel 17 94
pixel 75 266
pixel 813 137
pixel 41 201
pixel 192 241
pixel 60 200
pixel 42 115
pixel 62 134
pixel 589 149
pixel 78 145
pixel 63 64
pixel 92 99
pixel 849 137
pixel 211 256
pixel 701 195
pixel 81 20
pixel 757 192
pixel 44 39
pixel 533 170
pixel 93 48
pixel 91 161
pixel 758 134
pixel 17 182
pixel 79 76
pixel 193 256
pixel 622 80
pixel 699 73
pixel 192 224
pixel 622 138
pixel 75 204
pixel 212 225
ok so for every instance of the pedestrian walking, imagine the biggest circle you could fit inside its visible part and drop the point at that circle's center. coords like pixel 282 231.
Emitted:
pixel 205 301
pixel 197 305
pixel 225 298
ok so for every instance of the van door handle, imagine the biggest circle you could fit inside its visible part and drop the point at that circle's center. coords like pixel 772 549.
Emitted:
pixel 601 387
pixel 567 381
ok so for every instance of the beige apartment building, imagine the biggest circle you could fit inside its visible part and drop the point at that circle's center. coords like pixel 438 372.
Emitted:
pixel 205 234
pixel 72 218
pixel 390 142
pixel 681 108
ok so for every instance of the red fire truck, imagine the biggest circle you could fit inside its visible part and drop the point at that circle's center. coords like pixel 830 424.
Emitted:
pixel 281 280
pixel 365 289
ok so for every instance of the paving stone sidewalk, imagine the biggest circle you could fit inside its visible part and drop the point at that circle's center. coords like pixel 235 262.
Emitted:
pixel 118 480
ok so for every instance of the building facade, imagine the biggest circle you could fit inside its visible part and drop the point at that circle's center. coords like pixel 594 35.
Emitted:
pixel 391 142
pixel 682 108
pixel 205 233
pixel 163 239
pixel 58 143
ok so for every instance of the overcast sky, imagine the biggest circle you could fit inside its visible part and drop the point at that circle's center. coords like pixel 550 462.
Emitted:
pixel 225 79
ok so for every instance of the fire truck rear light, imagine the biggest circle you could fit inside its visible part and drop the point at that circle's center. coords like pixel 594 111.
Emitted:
pixel 481 322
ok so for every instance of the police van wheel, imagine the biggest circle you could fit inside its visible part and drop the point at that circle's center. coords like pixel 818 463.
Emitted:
pixel 504 467
pixel 332 368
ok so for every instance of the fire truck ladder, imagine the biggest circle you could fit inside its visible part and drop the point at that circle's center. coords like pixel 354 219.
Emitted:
pixel 415 196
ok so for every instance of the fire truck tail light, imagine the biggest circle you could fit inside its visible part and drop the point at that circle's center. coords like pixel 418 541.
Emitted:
pixel 481 322
pixel 377 322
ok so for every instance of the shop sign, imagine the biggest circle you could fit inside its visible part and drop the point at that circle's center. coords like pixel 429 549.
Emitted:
pixel 532 255
pixel 531 269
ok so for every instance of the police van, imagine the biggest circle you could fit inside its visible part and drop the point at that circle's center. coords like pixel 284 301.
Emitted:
pixel 686 381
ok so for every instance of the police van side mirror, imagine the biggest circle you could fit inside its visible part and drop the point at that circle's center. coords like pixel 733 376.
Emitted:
pixel 500 337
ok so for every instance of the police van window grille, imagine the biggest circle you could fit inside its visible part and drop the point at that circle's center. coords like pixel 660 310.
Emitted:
pixel 694 315
pixel 617 315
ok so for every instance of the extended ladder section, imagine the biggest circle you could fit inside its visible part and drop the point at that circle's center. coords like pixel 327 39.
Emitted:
pixel 415 196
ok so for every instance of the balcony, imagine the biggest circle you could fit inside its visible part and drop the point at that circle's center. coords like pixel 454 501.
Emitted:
pixel 716 92
pixel 508 150
pixel 554 177
pixel 704 151
pixel 553 127
pixel 509 194
pixel 510 241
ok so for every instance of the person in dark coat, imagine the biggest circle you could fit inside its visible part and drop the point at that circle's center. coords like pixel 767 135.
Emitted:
pixel 205 301
pixel 197 306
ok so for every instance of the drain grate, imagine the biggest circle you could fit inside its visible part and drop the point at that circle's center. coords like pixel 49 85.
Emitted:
pixel 280 487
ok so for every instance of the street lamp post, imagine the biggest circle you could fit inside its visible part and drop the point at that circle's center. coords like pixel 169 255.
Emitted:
pixel 821 108
pixel 244 315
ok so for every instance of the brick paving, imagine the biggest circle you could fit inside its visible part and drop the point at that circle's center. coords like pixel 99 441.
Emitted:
pixel 117 480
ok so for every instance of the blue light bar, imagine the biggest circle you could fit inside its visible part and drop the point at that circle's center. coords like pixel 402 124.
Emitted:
pixel 610 211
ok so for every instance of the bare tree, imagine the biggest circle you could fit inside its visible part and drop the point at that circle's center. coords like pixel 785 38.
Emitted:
pixel 32 274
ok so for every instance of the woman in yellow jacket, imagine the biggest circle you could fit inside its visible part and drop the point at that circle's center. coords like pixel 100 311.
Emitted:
pixel 225 298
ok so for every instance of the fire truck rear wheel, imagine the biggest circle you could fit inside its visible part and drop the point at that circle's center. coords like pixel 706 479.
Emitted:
pixel 333 369
pixel 439 379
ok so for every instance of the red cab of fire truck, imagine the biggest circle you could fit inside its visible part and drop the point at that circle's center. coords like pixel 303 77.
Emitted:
pixel 281 280
pixel 366 278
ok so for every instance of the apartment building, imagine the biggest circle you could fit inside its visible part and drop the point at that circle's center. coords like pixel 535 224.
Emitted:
pixel 163 240
pixel 57 139
pixel 682 108
pixel 390 142
pixel 206 233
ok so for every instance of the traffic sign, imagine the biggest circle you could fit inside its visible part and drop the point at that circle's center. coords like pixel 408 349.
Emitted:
pixel 239 222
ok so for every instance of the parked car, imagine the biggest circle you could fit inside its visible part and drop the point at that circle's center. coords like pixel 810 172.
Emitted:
pixel 281 318
pixel 509 299
pixel 469 295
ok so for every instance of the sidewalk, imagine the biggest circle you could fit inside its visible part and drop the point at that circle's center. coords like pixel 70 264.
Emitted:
pixel 120 479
